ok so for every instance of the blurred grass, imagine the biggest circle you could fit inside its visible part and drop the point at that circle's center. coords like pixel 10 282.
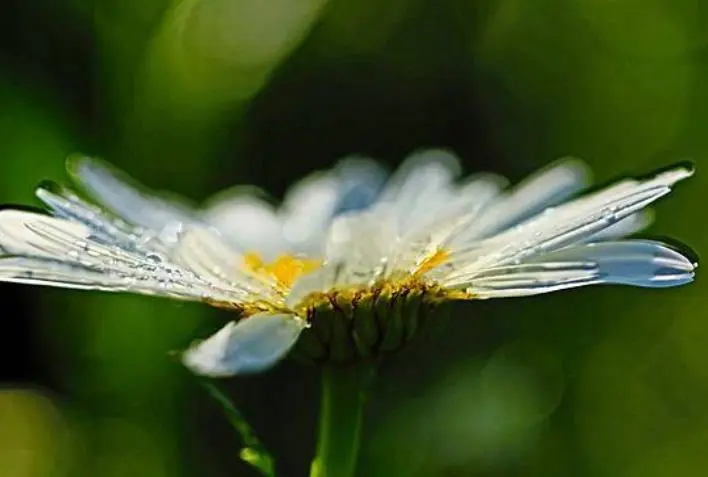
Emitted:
pixel 195 95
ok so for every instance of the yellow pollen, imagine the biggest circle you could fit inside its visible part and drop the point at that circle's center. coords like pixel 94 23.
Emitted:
pixel 432 261
pixel 285 269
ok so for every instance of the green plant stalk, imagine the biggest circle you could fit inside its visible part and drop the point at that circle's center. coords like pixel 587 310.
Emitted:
pixel 253 452
pixel 344 393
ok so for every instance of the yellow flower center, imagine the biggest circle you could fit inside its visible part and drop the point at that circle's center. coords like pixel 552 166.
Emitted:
pixel 285 269
pixel 432 261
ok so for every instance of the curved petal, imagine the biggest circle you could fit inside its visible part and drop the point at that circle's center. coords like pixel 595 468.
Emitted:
pixel 357 247
pixel 37 248
pixel 549 186
pixel 640 263
pixel 252 345
pixel 78 276
pixel 248 222
pixel 104 226
pixel 251 223
pixel 126 197
pixel 567 224
pixel 419 187
pixel 307 210
pixel 624 228
pixel 361 183
pixel 313 202
pixel 202 251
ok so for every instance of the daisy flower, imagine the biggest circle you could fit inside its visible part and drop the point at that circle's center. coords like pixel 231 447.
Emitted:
pixel 344 269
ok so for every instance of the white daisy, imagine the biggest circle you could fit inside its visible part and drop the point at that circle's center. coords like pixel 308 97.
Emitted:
pixel 341 286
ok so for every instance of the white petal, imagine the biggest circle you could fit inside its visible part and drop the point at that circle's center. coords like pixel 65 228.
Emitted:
pixel 624 228
pixel 547 187
pixel 418 188
pixel 38 235
pixel 300 224
pixel 427 168
pixel 307 210
pixel 312 203
pixel 248 222
pixel 527 276
pixel 639 263
pixel 39 271
pixel 201 251
pixel 569 223
pixel 103 226
pixel 643 263
pixel 358 246
pixel 29 233
pixel 253 344
pixel 52 273
pixel 360 183
pixel 471 197
pixel 454 213
pixel 36 239
pixel 126 197
pixel 320 280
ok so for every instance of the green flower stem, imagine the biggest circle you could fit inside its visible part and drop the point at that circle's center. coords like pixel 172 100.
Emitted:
pixel 253 452
pixel 344 393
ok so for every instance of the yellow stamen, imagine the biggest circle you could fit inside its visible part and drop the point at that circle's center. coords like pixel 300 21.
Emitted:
pixel 432 261
pixel 285 269
pixel 252 261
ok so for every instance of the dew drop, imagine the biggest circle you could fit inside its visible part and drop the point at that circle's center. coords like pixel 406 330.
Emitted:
pixel 154 257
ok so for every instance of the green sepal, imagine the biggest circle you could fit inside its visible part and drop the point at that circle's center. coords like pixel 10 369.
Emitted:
pixel 322 324
pixel 412 313
pixel 394 331
pixel 364 330
pixel 342 346
pixel 309 347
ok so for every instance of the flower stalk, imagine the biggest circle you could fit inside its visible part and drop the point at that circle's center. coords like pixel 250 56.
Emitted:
pixel 345 391
pixel 253 451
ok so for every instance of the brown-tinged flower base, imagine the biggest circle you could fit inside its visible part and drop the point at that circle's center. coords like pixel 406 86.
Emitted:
pixel 349 325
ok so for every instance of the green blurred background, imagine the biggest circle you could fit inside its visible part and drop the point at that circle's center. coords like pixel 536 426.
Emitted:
pixel 197 95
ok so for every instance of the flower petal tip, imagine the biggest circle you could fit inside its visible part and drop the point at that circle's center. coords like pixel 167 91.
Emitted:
pixel 250 346
pixel 201 358
pixel 677 172
pixel 75 162
pixel 575 167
